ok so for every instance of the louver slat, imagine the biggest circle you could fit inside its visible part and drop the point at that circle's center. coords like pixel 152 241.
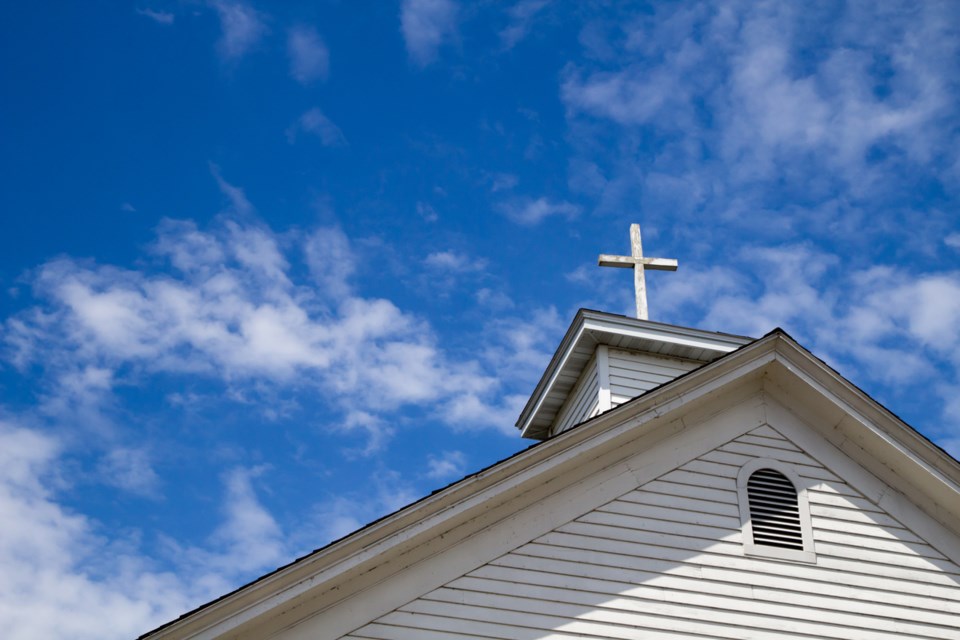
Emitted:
pixel 774 510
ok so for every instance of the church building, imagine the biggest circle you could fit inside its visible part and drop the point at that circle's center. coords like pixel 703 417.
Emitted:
pixel 686 484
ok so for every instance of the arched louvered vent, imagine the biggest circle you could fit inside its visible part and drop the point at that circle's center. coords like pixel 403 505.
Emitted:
pixel 774 510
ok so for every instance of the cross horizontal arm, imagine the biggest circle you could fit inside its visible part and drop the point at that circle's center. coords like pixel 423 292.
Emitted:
pixel 660 264
pixel 627 262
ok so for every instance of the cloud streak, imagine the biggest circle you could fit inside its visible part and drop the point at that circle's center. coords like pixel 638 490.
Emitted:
pixel 531 212
pixel 747 102
pixel 426 26
pixel 241 29
pixel 62 576
pixel 229 310
pixel 315 123
pixel 309 56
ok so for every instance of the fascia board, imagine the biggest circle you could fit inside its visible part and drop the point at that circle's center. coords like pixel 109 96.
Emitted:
pixel 459 503
pixel 596 322
pixel 696 338
pixel 555 366
pixel 878 432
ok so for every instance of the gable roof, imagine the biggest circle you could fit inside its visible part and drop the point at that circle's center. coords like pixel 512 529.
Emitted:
pixel 592 328
pixel 849 419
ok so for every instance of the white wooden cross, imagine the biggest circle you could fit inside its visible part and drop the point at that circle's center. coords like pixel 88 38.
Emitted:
pixel 639 263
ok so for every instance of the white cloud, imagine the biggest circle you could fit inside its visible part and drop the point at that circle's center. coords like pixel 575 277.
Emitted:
pixel 314 122
pixel 530 212
pixel 374 428
pixel 952 240
pixel 877 324
pixel 503 182
pixel 236 196
pixel 455 262
pixel 519 346
pixel 241 28
pixel 470 411
pixel 426 211
pixel 130 470
pixel 331 260
pixel 744 99
pixel 60 578
pixel 309 57
pixel 247 540
pixel 348 511
pixel 426 26
pixel 521 16
pixel 446 465
pixel 160 17
pixel 493 300
pixel 229 310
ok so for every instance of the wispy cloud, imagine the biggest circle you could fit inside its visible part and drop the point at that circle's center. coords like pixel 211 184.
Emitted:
pixel 160 17
pixel 315 123
pixel 230 310
pixel 349 511
pixel 241 28
pixel 131 470
pixel 530 212
pixel 746 101
pixel 238 199
pixel 426 26
pixel 453 261
pixel 309 57
pixel 426 211
pixel 872 323
pixel 331 261
pixel 521 17
pixel 248 538
pixel 55 582
pixel 446 465
pixel 503 182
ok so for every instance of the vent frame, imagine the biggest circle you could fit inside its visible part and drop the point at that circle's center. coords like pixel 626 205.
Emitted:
pixel 802 552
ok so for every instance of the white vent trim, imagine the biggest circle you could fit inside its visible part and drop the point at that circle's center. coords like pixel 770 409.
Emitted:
pixel 753 543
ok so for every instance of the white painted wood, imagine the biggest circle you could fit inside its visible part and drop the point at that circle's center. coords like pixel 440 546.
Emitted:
pixel 633 373
pixel 603 378
pixel 583 401
pixel 612 377
pixel 667 559
pixel 638 262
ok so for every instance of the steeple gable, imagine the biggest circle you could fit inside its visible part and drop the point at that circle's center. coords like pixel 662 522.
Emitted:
pixel 606 359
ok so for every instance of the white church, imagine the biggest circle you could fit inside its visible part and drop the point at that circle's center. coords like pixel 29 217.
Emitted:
pixel 687 484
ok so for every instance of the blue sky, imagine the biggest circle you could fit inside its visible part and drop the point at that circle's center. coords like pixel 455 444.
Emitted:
pixel 270 271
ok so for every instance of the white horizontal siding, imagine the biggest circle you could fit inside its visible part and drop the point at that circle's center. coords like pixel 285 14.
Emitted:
pixel 632 373
pixel 583 401
pixel 667 561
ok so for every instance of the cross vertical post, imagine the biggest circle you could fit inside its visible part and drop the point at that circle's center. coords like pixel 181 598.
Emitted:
pixel 639 265
pixel 639 279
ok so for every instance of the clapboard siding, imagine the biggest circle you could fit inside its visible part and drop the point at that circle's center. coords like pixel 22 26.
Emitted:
pixel 632 373
pixel 583 401
pixel 667 560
